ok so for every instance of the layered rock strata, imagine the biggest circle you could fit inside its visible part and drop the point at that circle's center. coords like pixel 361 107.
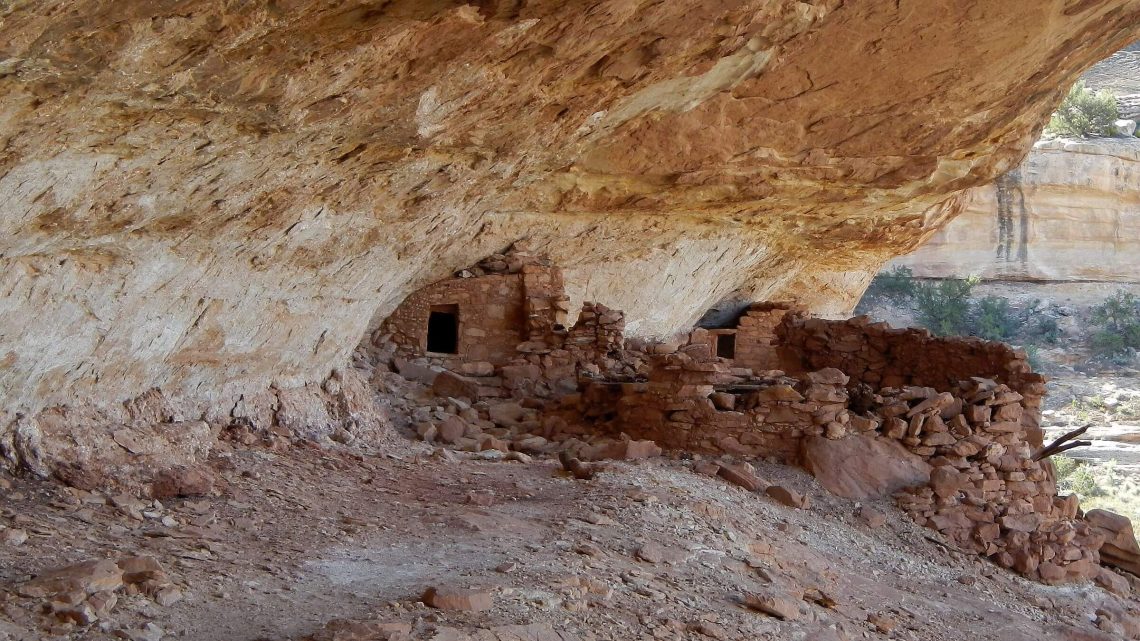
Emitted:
pixel 218 200
pixel 1070 212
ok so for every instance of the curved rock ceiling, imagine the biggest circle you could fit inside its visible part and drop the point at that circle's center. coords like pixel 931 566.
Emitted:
pixel 208 197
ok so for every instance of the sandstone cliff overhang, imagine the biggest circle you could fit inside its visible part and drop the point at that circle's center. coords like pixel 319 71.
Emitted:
pixel 211 198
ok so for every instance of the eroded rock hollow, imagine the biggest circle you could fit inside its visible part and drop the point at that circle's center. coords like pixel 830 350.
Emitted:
pixel 204 201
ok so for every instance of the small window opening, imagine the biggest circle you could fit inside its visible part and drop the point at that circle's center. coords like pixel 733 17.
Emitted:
pixel 443 329
pixel 726 345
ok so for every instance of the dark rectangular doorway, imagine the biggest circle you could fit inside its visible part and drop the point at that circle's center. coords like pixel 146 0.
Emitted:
pixel 726 345
pixel 443 329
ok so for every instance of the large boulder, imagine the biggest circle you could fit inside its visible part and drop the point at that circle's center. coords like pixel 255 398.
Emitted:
pixel 863 467
pixel 1120 548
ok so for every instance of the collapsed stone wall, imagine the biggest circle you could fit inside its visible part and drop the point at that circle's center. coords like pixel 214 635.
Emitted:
pixel 501 303
pixel 881 356
pixel 556 365
pixel 948 425
pixel 964 414
pixel 986 492
pixel 513 339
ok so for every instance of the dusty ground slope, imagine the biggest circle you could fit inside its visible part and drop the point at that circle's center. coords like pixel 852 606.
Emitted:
pixel 302 535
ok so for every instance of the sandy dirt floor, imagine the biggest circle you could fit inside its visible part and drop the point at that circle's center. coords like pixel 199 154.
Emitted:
pixel 297 536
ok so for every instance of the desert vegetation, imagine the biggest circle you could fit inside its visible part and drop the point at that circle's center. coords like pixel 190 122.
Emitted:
pixel 1085 113
pixel 1100 485
pixel 949 307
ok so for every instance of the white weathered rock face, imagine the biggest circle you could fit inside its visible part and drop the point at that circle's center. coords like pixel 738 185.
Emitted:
pixel 1071 212
pixel 210 198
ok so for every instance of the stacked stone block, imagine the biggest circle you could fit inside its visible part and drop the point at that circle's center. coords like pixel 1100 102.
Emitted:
pixel 697 402
pixel 969 408
pixel 491 319
pixel 757 346
pixel 883 357
pixel 986 493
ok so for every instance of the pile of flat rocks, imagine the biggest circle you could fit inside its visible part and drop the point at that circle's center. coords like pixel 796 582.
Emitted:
pixel 986 493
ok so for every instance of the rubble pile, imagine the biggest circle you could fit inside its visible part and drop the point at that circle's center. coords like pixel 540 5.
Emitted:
pixel 884 357
pixel 986 492
pixel 84 593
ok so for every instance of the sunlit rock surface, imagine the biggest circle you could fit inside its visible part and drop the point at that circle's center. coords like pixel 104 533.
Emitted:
pixel 1071 212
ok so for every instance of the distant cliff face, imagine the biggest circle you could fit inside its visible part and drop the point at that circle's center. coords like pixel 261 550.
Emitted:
pixel 1070 212
pixel 211 198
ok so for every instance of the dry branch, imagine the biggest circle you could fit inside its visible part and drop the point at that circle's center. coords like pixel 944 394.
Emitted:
pixel 1062 443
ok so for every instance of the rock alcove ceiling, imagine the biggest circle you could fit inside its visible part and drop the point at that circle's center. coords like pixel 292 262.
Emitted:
pixel 212 198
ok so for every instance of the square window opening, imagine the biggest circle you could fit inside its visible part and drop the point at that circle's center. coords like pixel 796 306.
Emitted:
pixel 443 329
pixel 726 345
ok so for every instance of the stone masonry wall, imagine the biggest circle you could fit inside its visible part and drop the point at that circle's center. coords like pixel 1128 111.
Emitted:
pixel 514 341
pixel 546 304
pixel 881 356
pixel 697 402
pixel 986 493
pixel 757 345
pixel 491 317
pixel 977 434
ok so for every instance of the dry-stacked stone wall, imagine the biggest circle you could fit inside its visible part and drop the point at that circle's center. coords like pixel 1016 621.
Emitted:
pixel 968 408
pixel 512 339
pixel 757 345
pixel 986 492
pixel 490 316
pixel 697 402
pixel 560 362
pixel 883 357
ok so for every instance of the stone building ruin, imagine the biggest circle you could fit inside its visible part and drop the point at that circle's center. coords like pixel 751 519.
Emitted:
pixel 483 314
pixel 950 426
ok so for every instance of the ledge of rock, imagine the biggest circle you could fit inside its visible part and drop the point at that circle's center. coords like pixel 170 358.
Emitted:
pixel 1068 213
pixel 219 200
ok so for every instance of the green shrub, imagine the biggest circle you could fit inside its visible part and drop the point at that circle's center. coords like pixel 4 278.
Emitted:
pixel 1117 320
pixel 1084 113
pixel 1038 325
pixel 1045 329
pixel 1033 355
pixel 896 285
pixel 994 319
pixel 1076 477
pixel 943 306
